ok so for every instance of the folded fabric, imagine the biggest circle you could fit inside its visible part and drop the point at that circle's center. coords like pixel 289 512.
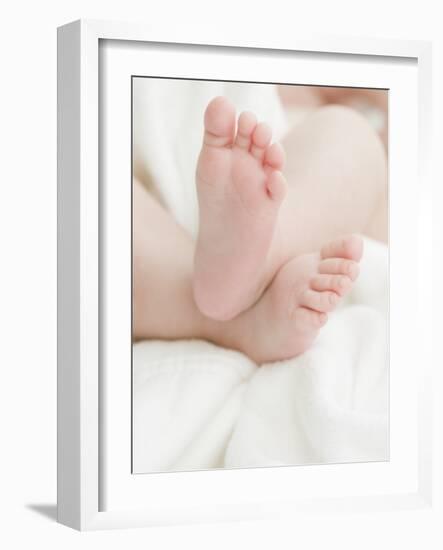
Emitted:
pixel 199 406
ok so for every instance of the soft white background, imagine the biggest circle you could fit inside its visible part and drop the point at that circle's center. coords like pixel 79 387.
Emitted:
pixel 28 268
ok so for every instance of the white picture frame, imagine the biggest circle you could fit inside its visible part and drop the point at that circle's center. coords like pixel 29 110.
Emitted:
pixel 81 436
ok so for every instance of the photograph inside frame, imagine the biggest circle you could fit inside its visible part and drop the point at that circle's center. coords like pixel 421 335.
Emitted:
pixel 259 275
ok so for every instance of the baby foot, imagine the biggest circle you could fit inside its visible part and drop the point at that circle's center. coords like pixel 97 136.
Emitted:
pixel 240 189
pixel 288 317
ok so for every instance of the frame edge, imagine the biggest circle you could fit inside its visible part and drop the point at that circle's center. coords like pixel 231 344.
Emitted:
pixel 71 414
pixel 68 275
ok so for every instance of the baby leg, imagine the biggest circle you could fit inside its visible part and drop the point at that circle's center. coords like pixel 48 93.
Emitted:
pixel 163 302
pixel 163 305
pixel 284 321
pixel 337 173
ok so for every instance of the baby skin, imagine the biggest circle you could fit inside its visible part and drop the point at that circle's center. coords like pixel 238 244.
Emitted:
pixel 287 318
pixel 243 265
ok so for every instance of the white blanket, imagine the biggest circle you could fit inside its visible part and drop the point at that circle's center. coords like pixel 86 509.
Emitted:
pixel 198 406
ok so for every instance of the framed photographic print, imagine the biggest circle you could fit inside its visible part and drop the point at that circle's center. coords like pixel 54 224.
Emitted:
pixel 238 334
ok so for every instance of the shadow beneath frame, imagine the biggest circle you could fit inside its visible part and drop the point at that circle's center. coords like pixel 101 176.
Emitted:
pixel 48 511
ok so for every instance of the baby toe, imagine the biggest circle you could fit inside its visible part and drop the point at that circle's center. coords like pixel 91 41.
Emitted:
pixel 219 122
pixel 339 266
pixel 350 247
pixel 340 284
pixel 320 301
pixel 274 156
pixel 276 186
pixel 246 124
pixel 261 137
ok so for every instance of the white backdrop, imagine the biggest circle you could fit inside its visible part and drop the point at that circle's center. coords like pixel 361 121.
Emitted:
pixel 28 269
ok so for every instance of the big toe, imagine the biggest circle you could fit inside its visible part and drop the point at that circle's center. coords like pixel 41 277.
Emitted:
pixel 219 122
pixel 350 247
